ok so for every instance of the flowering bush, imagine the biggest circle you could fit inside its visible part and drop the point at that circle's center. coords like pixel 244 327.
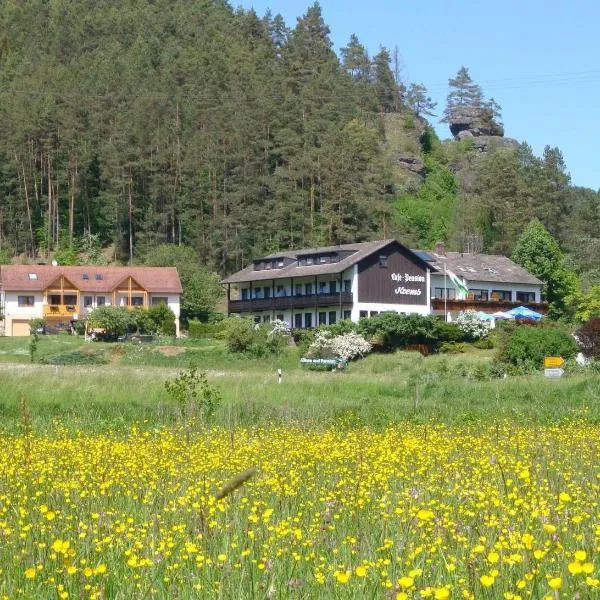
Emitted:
pixel 348 346
pixel 279 327
pixel 473 326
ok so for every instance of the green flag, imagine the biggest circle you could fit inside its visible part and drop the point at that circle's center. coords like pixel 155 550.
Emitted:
pixel 461 286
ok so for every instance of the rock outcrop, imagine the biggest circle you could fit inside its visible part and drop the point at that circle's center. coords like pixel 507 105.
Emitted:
pixel 474 120
pixel 476 124
pixel 410 163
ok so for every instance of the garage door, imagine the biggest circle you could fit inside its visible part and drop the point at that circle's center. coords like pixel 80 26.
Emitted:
pixel 20 327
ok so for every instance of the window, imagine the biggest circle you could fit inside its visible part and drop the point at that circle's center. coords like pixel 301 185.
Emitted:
pixel 266 319
pixel 298 321
pixel 267 292
pixel 85 276
pixel 137 301
pixel 347 285
pixel 32 275
pixel 88 301
pixel 279 317
pixel 100 301
pixel 347 314
pixel 373 313
pixel 280 291
pixel 244 293
pixel 439 293
pixel 308 320
pixel 308 289
pixel 26 301
pixel 298 289
pixel 502 295
pixel 323 259
pixel 526 297
pixel 479 294
pixel 332 287
pixel 257 319
pixel 363 314
pixel 383 260
pixel 332 317
pixel 257 293
pixel 310 260
pixel 322 287
pixel 70 299
pixel 280 263
pixel 268 265
pixel 156 300
pixel 99 277
pixel 322 318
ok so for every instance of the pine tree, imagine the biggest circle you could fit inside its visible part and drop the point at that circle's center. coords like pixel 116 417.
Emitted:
pixel 418 100
pixel 384 82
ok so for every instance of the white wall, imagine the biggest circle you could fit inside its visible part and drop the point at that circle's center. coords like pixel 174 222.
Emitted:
pixel 12 308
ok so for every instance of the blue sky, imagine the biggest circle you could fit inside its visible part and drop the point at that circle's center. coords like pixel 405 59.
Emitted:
pixel 539 59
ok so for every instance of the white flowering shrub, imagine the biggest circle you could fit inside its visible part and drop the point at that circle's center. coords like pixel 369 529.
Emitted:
pixel 279 327
pixel 348 346
pixel 473 326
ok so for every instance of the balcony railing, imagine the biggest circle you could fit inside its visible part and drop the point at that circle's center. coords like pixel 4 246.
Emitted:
pixel 490 306
pixel 60 310
pixel 290 302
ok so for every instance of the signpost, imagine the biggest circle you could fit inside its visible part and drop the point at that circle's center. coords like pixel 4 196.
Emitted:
pixel 553 362
pixel 553 367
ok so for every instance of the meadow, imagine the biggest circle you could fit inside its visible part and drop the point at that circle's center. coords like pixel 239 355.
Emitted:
pixel 402 477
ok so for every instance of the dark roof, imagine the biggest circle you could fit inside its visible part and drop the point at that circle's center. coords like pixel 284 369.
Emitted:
pixel 483 267
pixel 359 251
pixel 16 278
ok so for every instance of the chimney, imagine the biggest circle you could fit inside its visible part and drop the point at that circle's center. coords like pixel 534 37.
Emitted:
pixel 440 249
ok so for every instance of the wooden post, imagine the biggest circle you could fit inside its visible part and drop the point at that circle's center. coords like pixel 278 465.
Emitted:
pixel 228 298
pixel 129 292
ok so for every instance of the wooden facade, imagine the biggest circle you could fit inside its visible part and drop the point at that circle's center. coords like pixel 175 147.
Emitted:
pixel 382 278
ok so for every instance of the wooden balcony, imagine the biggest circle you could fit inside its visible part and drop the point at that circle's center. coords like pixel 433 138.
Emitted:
pixel 60 310
pixel 487 306
pixel 290 302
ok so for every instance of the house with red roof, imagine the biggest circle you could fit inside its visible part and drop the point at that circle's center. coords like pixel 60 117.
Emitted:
pixel 62 294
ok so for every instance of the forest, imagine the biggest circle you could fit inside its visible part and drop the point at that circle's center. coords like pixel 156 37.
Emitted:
pixel 127 125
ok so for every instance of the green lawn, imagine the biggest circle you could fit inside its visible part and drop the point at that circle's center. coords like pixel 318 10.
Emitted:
pixel 381 389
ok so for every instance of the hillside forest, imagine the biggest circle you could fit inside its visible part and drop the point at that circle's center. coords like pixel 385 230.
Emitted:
pixel 135 124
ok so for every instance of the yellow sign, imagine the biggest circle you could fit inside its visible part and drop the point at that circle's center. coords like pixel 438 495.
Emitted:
pixel 553 362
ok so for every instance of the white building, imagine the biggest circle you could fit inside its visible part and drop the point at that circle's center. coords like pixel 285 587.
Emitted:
pixel 62 294
pixel 318 286
pixel 495 283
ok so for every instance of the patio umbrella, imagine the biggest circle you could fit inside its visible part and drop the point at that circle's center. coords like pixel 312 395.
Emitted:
pixel 502 316
pixel 522 312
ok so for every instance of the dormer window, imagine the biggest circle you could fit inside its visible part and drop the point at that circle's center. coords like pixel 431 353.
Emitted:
pixel 310 260
pixel 99 277
pixel 323 259
pixel 280 262
pixel 32 275
pixel 85 276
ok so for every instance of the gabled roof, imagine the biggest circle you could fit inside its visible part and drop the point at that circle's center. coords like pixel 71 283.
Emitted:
pixel 161 280
pixel 493 268
pixel 358 252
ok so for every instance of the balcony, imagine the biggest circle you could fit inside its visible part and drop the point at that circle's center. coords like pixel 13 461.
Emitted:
pixel 488 306
pixel 60 310
pixel 291 302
